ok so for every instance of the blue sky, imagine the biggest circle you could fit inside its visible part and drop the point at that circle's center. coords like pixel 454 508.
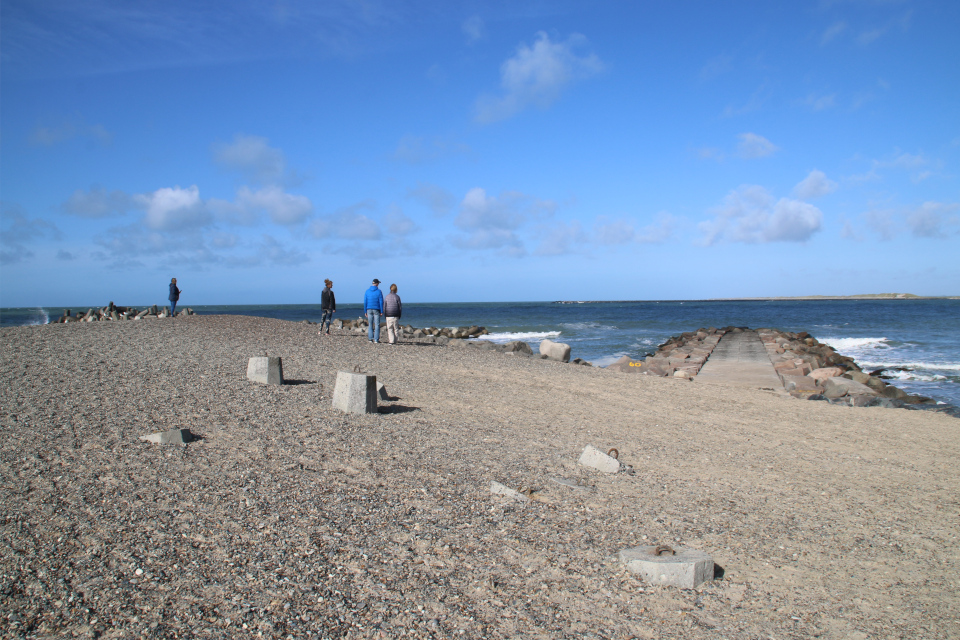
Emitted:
pixel 477 150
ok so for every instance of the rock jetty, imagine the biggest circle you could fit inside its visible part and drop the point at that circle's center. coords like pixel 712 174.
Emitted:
pixel 113 312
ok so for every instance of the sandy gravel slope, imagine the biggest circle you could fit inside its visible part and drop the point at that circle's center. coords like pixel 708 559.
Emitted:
pixel 289 519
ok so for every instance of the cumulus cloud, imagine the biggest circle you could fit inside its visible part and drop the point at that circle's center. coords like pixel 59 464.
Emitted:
pixel 98 203
pixel 253 158
pixel 815 185
pixel 537 75
pixel 754 146
pixel 473 28
pixel 931 219
pixel 439 200
pixel 173 208
pixel 347 223
pixel 282 207
pixel 491 221
pixel 750 214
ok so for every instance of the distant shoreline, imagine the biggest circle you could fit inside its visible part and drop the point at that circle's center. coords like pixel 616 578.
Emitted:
pixel 866 296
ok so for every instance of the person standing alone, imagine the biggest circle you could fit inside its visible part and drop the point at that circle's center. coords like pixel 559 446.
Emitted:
pixel 392 310
pixel 373 307
pixel 173 297
pixel 328 305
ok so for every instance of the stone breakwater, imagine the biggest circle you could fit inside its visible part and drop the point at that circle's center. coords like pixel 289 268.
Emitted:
pixel 113 312
pixel 807 368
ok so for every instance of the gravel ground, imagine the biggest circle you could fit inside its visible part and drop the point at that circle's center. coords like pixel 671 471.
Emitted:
pixel 286 518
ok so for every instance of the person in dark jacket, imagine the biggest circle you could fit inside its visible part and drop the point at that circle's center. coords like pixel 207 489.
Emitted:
pixel 373 307
pixel 173 297
pixel 328 305
pixel 392 310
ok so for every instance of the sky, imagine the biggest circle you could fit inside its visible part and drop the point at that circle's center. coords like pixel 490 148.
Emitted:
pixel 477 151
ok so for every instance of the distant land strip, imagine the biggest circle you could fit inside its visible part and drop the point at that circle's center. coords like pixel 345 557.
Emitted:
pixel 859 296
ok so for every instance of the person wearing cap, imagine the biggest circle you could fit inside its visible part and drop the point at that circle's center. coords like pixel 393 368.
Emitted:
pixel 392 310
pixel 328 305
pixel 373 307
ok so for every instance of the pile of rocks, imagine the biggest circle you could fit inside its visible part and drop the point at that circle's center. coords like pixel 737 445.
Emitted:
pixel 681 356
pixel 113 312
pixel 809 369
pixel 410 332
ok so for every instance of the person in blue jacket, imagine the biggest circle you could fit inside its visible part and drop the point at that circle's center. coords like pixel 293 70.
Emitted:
pixel 373 307
pixel 173 297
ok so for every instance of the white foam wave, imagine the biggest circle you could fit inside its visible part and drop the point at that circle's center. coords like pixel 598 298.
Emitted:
pixel 912 375
pixel 846 345
pixel 935 366
pixel 526 336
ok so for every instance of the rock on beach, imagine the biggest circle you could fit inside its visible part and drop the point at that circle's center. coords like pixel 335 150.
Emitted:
pixel 286 517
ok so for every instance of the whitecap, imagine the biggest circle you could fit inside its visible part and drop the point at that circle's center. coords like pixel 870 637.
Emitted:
pixel 856 344
pixel 526 336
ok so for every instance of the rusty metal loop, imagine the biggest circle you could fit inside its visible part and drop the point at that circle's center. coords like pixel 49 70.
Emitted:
pixel 661 549
pixel 356 368
pixel 614 453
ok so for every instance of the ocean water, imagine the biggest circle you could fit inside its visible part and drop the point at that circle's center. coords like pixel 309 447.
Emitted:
pixel 916 341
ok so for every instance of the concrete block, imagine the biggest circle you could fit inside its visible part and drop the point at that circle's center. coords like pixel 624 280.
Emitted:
pixel 679 567
pixel 382 391
pixel 555 350
pixel 596 459
pixel 355 392
pixel 172 436
pixel 265 370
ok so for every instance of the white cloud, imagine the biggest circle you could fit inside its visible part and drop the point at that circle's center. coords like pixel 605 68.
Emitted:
pixel 397 222
pixel 253 157
pixel 49 136
pixel 418 150
pixel 610 232
pixel 819 103
pixel 97 203
pixel 485 239
pixel 537 75
pixel 473 28
pixel 438 199
pixel 754 146
pixel 562 238
pixel 815 185
pixel 480 211
pixel 930 219
pixel 831 32
pixel 282 207
pixel 171 209
pixel 19 231
pixel 881 222
pixel 347 223
pixel 749 214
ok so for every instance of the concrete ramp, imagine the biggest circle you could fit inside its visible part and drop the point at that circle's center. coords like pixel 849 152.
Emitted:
pixel 740 360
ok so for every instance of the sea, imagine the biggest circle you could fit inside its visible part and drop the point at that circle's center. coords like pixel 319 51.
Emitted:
pixel 916 341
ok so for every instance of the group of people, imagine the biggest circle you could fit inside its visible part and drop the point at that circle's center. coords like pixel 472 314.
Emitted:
pixel 375 305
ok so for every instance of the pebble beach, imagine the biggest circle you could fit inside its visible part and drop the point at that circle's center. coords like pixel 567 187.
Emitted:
pixel 287 518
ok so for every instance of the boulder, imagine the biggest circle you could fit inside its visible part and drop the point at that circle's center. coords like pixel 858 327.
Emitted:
pixel 516 345
pixel 857 376
pixel 825 372
pixel 893 392
pixel 555 350
pixel 840 387
pixel 800 383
